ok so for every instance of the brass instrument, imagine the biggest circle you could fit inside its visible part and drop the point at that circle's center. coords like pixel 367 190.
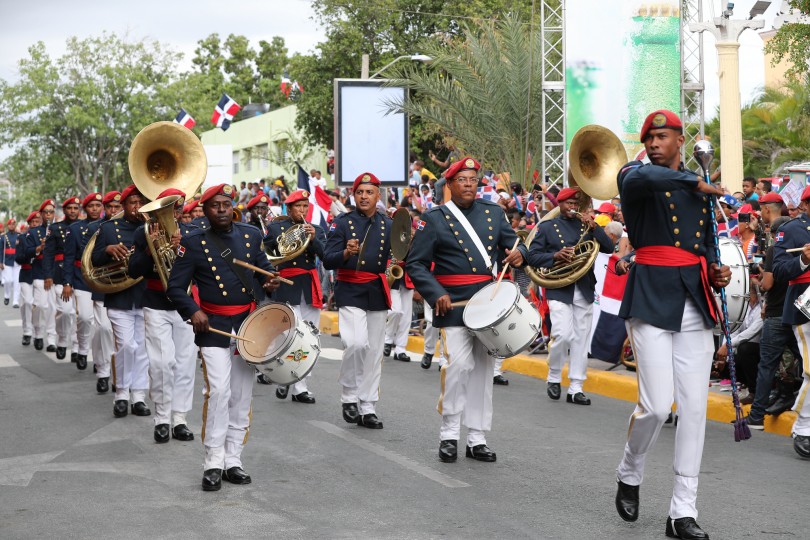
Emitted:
pixel 161 212
pixel 289 244
pixel 401 236
pixel 107 279
pixel 595 158
pixel 237 215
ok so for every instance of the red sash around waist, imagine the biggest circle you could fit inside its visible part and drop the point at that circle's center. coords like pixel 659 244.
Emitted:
pixel 673 256
pixel 156 285
pixel 361 276
pixel 39 257
pixel 804 278
pixel 26 267
pixel 219 309
pixel 77 263
pixel 456 280
pixel 10 251
pixel 59 257
pixel 317 293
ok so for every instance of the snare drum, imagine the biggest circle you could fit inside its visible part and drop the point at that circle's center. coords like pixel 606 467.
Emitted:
pixel 284 349
pixel 505 323
pixel 738 288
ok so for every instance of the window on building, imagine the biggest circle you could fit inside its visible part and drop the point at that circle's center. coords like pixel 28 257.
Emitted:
pixel 263 151
pixel 236 162
pixel 249 159
pixel 282 153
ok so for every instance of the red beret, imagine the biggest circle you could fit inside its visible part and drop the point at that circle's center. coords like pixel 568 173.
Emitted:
pixel 464 164
pixel 606 208
pixel 46 203
pixel 805 194
pixel 190 206
pixel 110 197
pixel 129 190
pixel 171 191
pixel 260 198
pixel 365 178
pixel 220 189
pixel 90 198
pixel 296 196
pixel 71 200
pixel 771 197
pixel 658 120
pixel 31 216
pixel 568 193
pixel 10 221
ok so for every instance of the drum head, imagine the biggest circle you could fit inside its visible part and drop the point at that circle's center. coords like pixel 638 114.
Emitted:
pixel 271 328
pixel 484 310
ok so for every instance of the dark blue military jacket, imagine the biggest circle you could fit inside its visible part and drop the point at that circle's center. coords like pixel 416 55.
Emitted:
pixel 558 233
pixel 56 236
pixel 200 260
pixel 786 266
pixel 306 261
pixel 76 239
pixel 662 208
pixel 201 222
pixel 33 240
pixel 118 231
pixel 441 240
pixel 26 274
pixel 374 258
pixel 8 244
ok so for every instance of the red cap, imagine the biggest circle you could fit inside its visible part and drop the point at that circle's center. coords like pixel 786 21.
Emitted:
pixel 129 190
pixel 464 164
pixel 71 200
pixel 46 203
pixel 10 221
pixel 365 178
pixel 748 209
pixel 771 197
pixel 260 198
pixel 190 206
pixel 568 193
pixel 110 197
pixel 606 208
pixel 168 192
pixel 658 120
pixel 297 195
pixel 90 198
pixel 805 194
pixel 31 216
pixel 219 189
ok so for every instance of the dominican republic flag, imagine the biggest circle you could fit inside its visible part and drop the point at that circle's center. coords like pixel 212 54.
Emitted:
pixel 607 329
pixel 184 119
pixel 488 193
pixel 291 89
pixel 319 200
pixel 224 112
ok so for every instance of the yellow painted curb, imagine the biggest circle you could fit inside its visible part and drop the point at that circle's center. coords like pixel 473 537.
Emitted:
pixel 329 323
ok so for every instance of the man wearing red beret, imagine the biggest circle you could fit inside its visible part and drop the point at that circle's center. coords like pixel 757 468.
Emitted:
pixel 44 308
pixel 27 279
pixel 11 270
pixel 670 311
pixel 258 207
pixel 359 247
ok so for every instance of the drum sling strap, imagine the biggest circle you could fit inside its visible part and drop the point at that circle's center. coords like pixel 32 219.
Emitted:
pixel 467 226
pixel 227 255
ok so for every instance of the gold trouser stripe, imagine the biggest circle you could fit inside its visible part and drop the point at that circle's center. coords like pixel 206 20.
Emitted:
pixel 638 382
pixel 112 357
pixel 250 421
pixel 443 335
pixel 806 365
pixel 206 395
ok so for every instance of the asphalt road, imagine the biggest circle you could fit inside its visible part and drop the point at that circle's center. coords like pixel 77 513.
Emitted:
pixel 68 469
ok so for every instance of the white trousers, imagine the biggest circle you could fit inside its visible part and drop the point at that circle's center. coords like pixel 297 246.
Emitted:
pixel 65 319
pixel 44 313
pixel 433 335
pixel 802 406
pixel 85 320
pixel 131 367
pixel 570 328
pixel 399 318
pixel 363 334
pixel 27 308
pixel 103 343
pixel 312 314
pixel 11 283
pixel 172 358
pixel 228 391
pixel 670 362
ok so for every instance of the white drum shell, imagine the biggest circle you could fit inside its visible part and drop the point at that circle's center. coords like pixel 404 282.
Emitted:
pixel 738 289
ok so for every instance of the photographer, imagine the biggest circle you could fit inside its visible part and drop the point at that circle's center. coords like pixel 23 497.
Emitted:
pixel 749 230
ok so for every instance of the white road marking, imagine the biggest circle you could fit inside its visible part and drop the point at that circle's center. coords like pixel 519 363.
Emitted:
pixel 380 450
pixel 7 361
pixel 13 323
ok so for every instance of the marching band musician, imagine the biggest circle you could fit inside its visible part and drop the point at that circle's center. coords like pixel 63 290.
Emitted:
pixel 73 282
pixel 169 340
pixel 462 238
pixel 27 280
pixel 305 295
pixel 226 299
pixel 258 208
pixel 198 218
pixel 570 307
pixel 44 321
pixel 11 270
pixel 399 318
pixel 124 308
pixel 358 247
pixel 670 313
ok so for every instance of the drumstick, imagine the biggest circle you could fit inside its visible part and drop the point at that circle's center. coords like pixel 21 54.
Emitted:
pixel 460 303
pixel 261 271
pixel 794 250
pixel 227 334
pixel 505 268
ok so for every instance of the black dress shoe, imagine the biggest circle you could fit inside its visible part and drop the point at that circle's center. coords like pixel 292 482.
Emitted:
pixel 38 344
pixel 402 357
pixel 51 348
pixel 236 475
pixel 481 452
pixel 579 398
pixel 553 390
pixel 262 378
pixel 61 352
pixel 801 443
pixel 140 409
pixel 162 433
pixel 369 421
pixel 427 359
pixel 685 528
pixel 95 369
pixel 212 480
pixel 182 433
pixel 5 302
pixel 303 397
pixel 782 404
pixel 501 380
pixel 627 501
pixel 387 349
pixel 26 340
pixel 448 450
pixel 281 392
pixel 350 413
pixel 74 357
pixel 103 385
pixel 121 408
pixel 81 362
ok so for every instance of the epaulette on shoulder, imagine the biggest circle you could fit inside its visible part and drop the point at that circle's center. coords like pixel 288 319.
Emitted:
pixel 487 202
pixel 195 233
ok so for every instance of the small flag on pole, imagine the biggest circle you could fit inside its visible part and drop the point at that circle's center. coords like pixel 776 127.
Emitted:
pixel 184 119
pixel 224 112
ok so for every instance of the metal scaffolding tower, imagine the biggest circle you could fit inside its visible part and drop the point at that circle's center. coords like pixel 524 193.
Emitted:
pixel 692 103
pixel 552 34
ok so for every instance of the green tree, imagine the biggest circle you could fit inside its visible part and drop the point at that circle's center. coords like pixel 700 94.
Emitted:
pixel 792 42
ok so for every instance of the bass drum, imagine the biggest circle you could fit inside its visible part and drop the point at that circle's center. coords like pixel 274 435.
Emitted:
pixel 504 321
pixel 738 289
pixel 284 348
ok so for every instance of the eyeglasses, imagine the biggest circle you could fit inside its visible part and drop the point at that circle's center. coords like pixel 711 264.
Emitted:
pixel 466 180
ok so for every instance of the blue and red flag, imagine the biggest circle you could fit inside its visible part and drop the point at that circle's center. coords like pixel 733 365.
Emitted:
pixel 184 119
pixel 224 112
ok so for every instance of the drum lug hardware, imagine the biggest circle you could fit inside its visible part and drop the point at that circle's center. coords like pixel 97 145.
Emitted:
pixel 509 349
pixel 495 331
pixel 520 311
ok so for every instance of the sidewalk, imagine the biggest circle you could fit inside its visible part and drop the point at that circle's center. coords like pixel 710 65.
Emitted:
pixel 619 384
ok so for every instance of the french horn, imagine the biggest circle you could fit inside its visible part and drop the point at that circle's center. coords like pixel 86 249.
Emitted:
pixel 289 244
